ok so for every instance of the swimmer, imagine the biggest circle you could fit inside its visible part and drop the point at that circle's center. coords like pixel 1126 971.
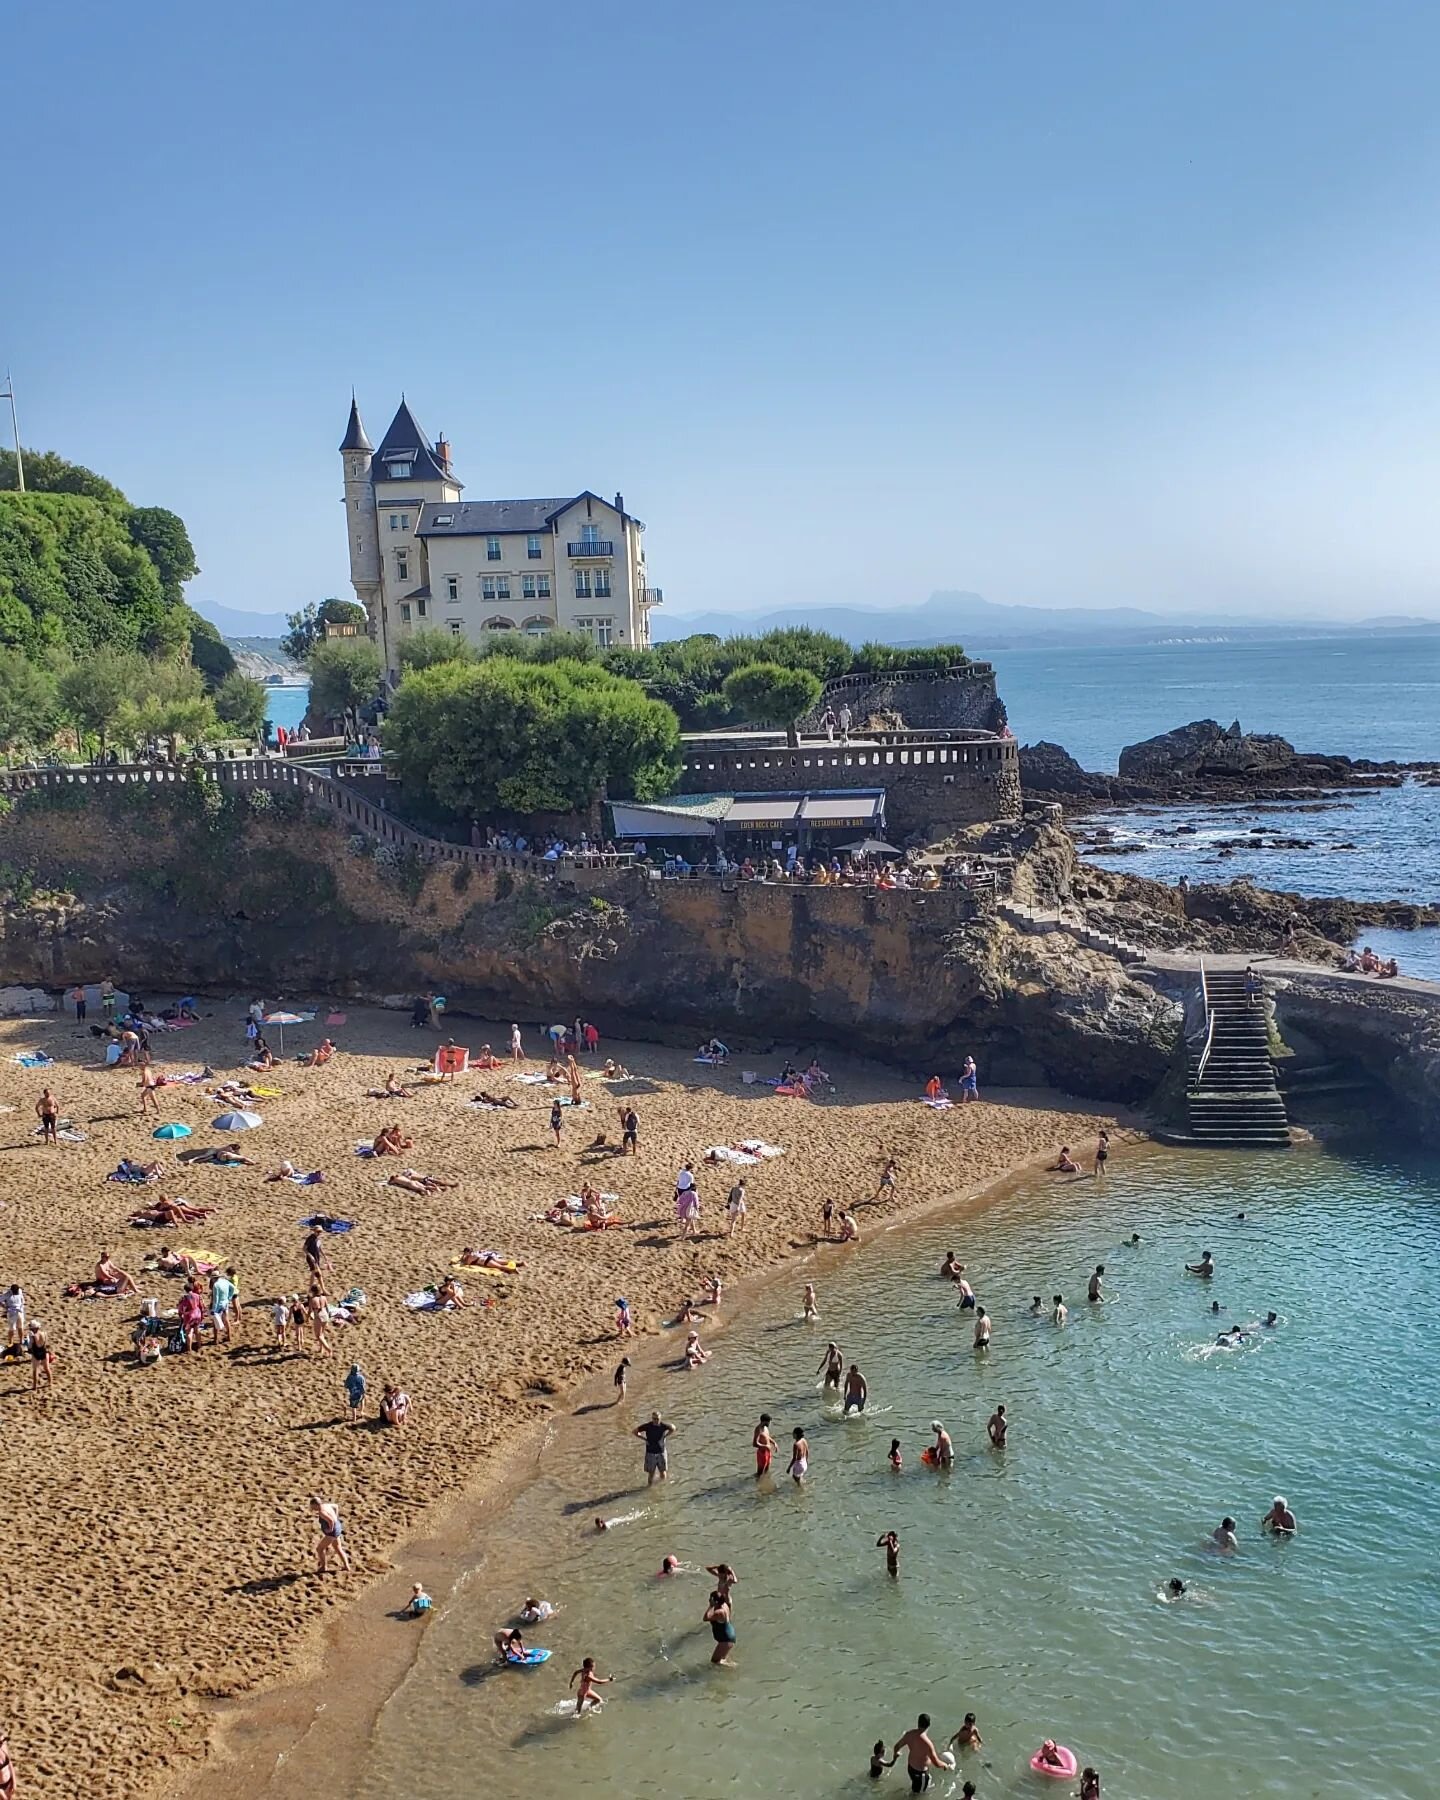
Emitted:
pixel 725 1577
pixel 857 1389
pixel 878 1762
pixel 1133 1240
pixel 1094 1293
pixel 951 1266
pixel 1060 1312
pixel 1173 1590
pixel 968 1736
pixel 695 1353
pixel 1037 1307
pixel 809 1311
pixel 1223 1536
pixel 1232 1337
pixel 896 1461
pixel 799 1456
pixel 589 1681
pixel 1216 1307
pixel 982 1330
pixel 967 1293
pixel 921 1756
pixel 943 1448
pixel 764 1446
pixel 1279 1520
pixel 997 1426
pixel 1272 1319
pixel 1205 1268
pixel 601 1524
pixel 1089 1784
pixel 832 1366
pixel 890 1544
pixel 669 1566
pixel 1240 1218
pixel 533 1611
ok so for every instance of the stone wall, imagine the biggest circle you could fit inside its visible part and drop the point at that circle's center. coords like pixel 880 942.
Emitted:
pixel 930 783
pixel 954 699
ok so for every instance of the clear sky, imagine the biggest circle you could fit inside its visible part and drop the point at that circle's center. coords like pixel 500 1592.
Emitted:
pixel 1065 303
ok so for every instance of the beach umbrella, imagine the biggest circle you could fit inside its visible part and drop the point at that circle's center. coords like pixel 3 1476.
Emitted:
pixel 237 1121
pixel 171 1130
pixel 282 1019
pixel 868 847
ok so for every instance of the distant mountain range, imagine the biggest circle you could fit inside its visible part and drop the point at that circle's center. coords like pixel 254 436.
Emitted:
pixel 984 626
pixel 230 622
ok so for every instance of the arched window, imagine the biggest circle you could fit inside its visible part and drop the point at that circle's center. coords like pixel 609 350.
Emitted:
pixel 537 627
pixel 499 625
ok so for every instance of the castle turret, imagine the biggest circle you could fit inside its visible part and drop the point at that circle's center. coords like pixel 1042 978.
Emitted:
pixel 362 524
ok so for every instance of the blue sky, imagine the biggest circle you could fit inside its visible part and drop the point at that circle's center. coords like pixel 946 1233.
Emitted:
pixel 1070 303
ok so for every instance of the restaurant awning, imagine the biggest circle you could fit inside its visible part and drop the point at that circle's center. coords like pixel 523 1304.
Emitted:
pixel 859 809
pixel 781 811
pixel 667 820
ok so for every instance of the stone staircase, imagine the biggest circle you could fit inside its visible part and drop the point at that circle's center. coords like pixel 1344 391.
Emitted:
pixel 1024 918
pixel 1230 1094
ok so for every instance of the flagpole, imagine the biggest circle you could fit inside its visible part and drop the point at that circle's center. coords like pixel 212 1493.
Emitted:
pixel 9 394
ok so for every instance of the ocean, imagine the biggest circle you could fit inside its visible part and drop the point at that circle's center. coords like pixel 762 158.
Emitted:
pixel 286 705
pixel 1030 1580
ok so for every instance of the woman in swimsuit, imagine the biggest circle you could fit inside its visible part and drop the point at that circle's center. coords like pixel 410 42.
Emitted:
pixel 332 1535
pixel 799 1456
pixel 722 1626
pixel 42 1360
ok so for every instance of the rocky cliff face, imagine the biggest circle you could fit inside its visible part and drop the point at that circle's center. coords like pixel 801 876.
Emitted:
pixel 1205 748
pixel 180 891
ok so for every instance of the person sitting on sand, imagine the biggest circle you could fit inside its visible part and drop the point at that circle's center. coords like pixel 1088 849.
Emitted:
pixel 450 1293
pixel 420 1602
pixel 394 1088
pixel 686 1313
pixel 695 1353
pixel 934 1088
pixel 394 1406
pixel 485 1098
pixel 263 1057
pixel 849 1230
pixel 415 1183
pixel 319 1056
pixel 614 1071
pixel 109 1274
pixel 389 1142
pixel 1065 1163
pixel 554 1070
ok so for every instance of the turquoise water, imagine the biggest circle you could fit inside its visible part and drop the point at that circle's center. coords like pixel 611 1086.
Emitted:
pixel 1029 1578
pixel 1354 696
pixel 286 705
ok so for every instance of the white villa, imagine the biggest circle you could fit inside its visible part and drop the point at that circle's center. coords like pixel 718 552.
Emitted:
pixel 421 558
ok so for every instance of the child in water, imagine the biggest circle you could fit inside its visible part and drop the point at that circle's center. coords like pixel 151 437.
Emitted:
pixel 895 1454
pixel 879 1763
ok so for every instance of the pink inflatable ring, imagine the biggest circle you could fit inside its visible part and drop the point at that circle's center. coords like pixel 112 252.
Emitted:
pixel 1065 1767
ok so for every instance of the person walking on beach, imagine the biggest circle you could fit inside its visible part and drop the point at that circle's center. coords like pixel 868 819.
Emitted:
pixel 969 1081
pixel 355 1391
pixel 629 1131
pixel 77 995
pixel 622 1372
pixel 735 1206
pixel 149 1091
pixel 656 1434
pixel 517 1048
pixel 889 1177
pixel 890 1544
pixel 585 1694
pixel 47 1110
pixel 330 1546
pixel 799 1456
pixel 857 1390
pixel 14 1317
pixel 921 1756
pixel 764 1446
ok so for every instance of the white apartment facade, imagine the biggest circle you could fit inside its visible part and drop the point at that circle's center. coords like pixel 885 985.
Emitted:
pixel 422 558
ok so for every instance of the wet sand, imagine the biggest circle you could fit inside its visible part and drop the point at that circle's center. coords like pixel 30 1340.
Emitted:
pixel 160 1552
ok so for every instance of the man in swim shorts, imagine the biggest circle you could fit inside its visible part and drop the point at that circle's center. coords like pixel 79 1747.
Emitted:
pixel 765 1446
pixel 921 1756
pixel 657 1461
pixel 856 1389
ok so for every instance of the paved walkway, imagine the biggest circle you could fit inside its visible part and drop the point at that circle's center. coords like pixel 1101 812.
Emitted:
pixel 1187 962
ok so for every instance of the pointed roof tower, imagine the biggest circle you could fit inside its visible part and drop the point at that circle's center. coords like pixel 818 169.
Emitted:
pixel 355 438
pixel 405 445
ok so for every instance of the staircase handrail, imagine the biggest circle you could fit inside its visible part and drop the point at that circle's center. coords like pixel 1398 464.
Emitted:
pixel 1209 1027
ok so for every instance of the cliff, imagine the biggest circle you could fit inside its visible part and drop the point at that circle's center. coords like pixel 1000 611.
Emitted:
pixel 191 887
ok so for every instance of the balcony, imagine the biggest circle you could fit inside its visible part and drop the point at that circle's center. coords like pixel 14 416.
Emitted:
pixel 654 596
pixel 592 547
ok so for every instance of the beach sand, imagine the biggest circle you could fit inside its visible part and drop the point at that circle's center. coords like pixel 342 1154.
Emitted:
pixel 159 1549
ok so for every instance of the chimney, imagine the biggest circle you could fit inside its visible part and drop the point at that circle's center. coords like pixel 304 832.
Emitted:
pixel 442 452
pixel 620 503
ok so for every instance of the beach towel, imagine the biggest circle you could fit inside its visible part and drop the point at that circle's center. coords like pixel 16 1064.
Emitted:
pixel 307 1180
pixel 452 1059
pixel 354 1299
pixel 334 1018
pixel 745 1154
pixel 134 1179
pixel 529 1080
pixel 91 1290
pixel 325 1223
pixel 37 1059
pixel 189 1078
pixel 715 1062
pixel 579 1105
pixel 942 1105
pixel 488 1106
pixel 425 1301
pixel 365 1149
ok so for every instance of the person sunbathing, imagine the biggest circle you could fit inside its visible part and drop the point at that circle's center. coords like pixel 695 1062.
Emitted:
pixel 137 1171
pixel 596 1210
pixel 109 1274
pixel 450 1293
pixel 180 1262
pixel 171 1212
pixel 555 1071
pixel 485 1098
pixel 228 1156
pixel 614 1071
pixel 415 1183
pixel 389 1142
pixel 319 1056
pixel 487 1059
pixel 487 1259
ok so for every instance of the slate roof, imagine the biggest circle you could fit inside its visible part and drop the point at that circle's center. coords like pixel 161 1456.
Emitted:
pixel 355 438
pixel 405 435
pixel 490 518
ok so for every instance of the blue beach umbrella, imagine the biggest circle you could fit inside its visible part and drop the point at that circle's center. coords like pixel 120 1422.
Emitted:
pixel 171 1130
pixel 237 1121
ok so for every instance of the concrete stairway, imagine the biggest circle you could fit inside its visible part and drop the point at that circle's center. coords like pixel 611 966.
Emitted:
pixel 1230 1092
pixel 1039 924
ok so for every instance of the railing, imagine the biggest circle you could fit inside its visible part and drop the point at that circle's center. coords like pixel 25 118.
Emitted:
pixel 653 596
pixel 592 547
pixel 1209 1045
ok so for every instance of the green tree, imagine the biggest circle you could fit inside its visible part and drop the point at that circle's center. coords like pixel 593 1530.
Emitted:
pixel 344 676
pixel 307 627
pixel 240 704
pixel 94 692
pixel 506 735
pixel 29 702
pixel 767 694
pixel 423 649
pixel 161 534
pixel 47 473
pixel 209 652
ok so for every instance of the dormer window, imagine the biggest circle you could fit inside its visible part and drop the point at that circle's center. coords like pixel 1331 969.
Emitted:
pixel 444 518
pixel 399 471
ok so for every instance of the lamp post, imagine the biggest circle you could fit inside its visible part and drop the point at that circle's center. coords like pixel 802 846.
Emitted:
pixel 8 393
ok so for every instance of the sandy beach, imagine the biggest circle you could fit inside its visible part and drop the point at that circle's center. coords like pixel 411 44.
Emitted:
pixel 186 1482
